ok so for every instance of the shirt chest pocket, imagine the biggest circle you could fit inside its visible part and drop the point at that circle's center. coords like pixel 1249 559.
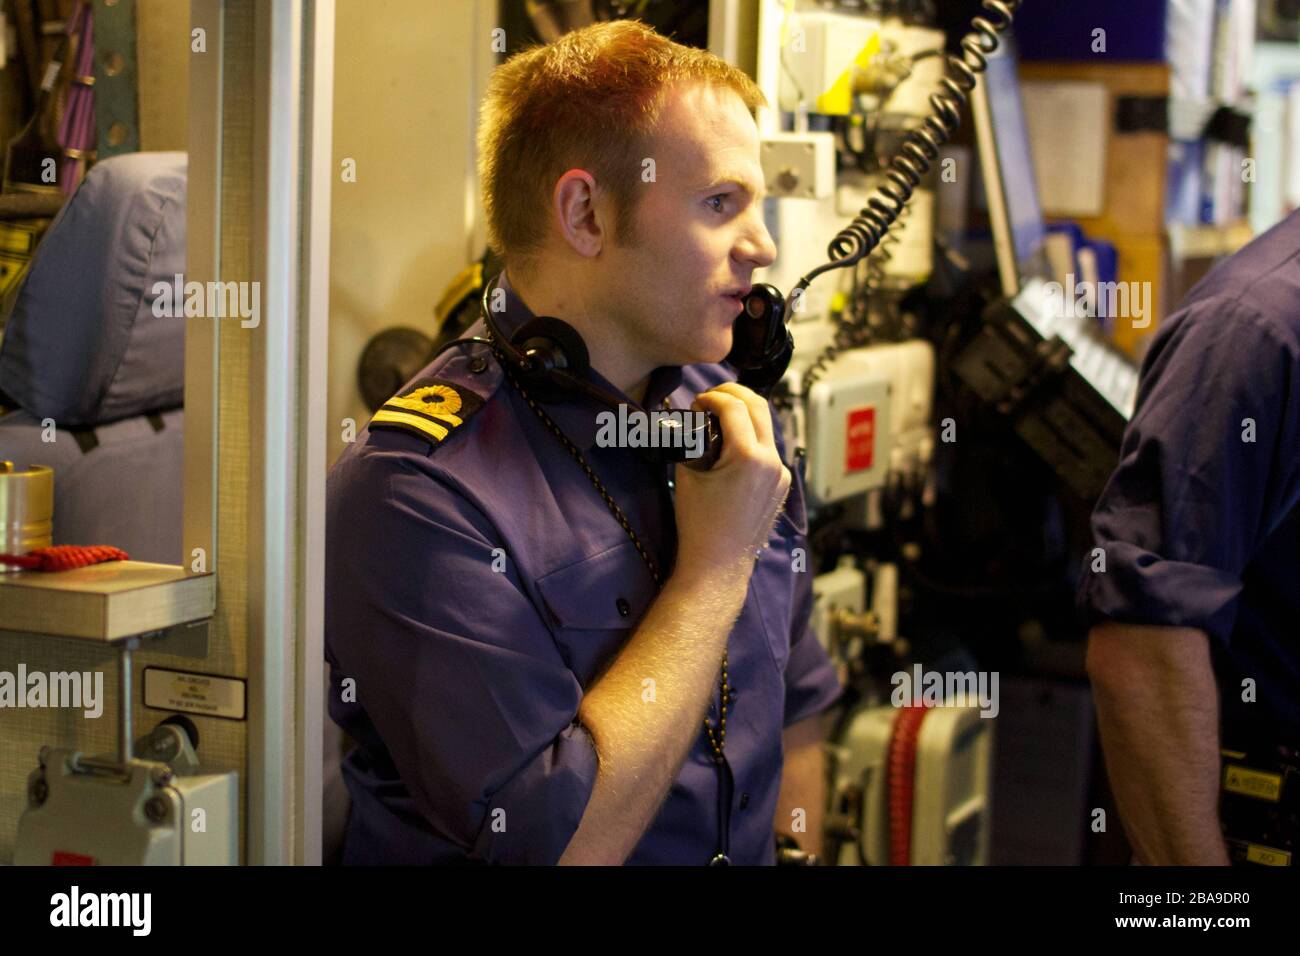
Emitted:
pixel 595 603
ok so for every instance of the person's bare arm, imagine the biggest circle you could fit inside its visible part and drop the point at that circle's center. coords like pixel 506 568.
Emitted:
pixel 803 784
pixel 723 517
pixel 1158 714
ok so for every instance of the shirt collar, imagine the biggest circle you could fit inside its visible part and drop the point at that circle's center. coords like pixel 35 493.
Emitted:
pixel 577 416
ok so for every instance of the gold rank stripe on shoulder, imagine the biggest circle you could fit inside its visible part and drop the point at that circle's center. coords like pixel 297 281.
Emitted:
pixel 430 409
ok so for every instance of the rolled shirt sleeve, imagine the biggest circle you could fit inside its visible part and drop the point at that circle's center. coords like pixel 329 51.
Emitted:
pixel 811 683
pixel 1207 470
pixel 455 666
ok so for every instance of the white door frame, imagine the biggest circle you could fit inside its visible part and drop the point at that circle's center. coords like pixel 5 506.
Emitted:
pixel 292 54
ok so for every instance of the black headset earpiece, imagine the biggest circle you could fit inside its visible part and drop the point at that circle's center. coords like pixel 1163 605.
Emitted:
pixel 548 356
pixel 552 358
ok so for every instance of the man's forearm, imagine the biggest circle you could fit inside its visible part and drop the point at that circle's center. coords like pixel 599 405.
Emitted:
pixel 803 785
pixel 645 712
pixel 1158 711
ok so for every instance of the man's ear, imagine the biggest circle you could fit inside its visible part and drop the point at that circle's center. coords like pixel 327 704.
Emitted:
pixel 574 205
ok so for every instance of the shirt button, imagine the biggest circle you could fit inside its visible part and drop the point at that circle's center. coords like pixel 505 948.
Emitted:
pixel 744 800
pixel 624 609
pixel 477 364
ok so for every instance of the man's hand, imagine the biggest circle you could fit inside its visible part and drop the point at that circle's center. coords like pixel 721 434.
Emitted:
pixel 1158 713
pixel 727 512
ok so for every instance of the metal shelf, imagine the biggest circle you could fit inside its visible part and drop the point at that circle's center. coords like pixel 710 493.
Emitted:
pixel 107 602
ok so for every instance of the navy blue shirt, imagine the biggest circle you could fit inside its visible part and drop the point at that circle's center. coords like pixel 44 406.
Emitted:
pixel 477 585
pixel 1199 522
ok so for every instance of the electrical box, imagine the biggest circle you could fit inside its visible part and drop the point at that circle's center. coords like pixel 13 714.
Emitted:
pixel 798 165
pixel 100 812
pixel 868 415
pixel 822 55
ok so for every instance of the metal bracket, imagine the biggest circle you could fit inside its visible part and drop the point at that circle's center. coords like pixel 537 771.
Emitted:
pixel 117 110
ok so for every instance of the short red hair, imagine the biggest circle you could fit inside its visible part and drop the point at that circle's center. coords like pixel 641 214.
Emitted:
pixel 589 100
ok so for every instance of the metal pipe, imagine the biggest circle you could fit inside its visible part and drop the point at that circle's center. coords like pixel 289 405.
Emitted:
pixel 124 700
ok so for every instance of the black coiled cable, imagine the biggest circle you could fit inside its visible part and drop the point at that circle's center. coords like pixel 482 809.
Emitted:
pixel 908 167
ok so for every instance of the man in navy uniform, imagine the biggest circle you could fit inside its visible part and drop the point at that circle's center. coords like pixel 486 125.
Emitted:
pixel 1196 611
pixel 521 688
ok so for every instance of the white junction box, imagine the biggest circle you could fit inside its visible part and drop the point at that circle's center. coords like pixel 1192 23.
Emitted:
pixel 101 812
pixel 798 165
pixel 869 415
pixel 820 48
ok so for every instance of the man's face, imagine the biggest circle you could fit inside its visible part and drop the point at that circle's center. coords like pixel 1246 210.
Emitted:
pixel 699 232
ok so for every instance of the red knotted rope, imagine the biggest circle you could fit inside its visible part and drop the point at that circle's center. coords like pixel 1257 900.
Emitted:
pixel 64 557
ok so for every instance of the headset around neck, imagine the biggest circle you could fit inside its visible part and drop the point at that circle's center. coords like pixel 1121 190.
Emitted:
pixel 550 359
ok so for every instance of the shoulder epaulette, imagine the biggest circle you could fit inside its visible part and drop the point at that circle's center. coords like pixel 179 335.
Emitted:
pixel 430 409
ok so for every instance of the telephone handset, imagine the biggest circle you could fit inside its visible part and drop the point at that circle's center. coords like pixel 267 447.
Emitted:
pixel 550 359
pixel 761 348
pixel 761 344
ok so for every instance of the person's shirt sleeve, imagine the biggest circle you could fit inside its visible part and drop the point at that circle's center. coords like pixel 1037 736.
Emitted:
pixel 454 665
pixel 811 681
pixel 1208 467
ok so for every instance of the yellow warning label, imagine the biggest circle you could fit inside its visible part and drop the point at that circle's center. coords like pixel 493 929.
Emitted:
pixel 1267 855
pixel 1252 783
pixel 838 100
